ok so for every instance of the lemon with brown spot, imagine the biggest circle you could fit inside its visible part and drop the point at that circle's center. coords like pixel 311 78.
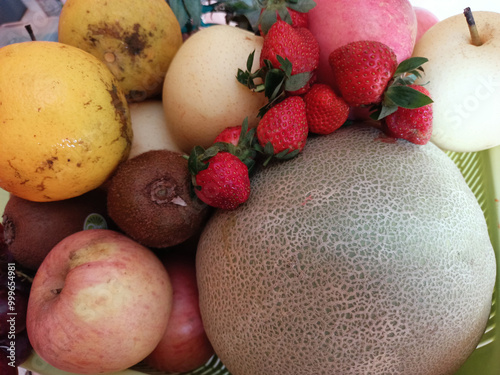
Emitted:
pixel 64 121
pixel 135 39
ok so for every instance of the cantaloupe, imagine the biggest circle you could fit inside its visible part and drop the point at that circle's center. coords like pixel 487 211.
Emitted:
pixel 360 256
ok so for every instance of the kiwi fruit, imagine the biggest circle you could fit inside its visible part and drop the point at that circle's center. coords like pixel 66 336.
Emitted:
pixel 32 229
pixel 150 199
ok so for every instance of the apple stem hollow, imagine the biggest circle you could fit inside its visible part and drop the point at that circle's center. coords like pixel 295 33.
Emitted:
pixel 475 38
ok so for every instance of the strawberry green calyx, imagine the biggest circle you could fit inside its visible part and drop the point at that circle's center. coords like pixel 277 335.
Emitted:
pixel 272 9
pixel 273 81
pixel 245 150
pixel 268 152
pixel 399 93
pixel 252 80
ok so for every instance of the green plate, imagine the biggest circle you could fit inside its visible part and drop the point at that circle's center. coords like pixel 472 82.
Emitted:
pixel 481 170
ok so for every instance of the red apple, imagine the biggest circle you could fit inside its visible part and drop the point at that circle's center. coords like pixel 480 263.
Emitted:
pixel 184 346
pixel 425 20
pixel 335 23
pixel 99 303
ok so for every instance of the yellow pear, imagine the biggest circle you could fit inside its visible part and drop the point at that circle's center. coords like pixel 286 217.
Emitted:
pixel 201 95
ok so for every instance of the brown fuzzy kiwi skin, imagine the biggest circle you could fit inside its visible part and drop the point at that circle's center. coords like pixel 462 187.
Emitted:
pixel 150 199
pixel 32 229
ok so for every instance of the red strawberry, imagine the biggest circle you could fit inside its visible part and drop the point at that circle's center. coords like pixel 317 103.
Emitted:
pixel 284 126
pixel 414 125
pixel 325 110
pixel 225 183
pixel 294 12
pixel 298 19
pixel 298 45
pixel 239 141
pixel 229 135
pixel 362 71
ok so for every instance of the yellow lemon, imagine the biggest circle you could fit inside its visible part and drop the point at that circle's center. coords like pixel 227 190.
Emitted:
pixel 135 39
pixel 64 121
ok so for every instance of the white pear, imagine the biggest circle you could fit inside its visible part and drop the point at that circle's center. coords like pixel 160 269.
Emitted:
pixel 464 81
pixel 151 131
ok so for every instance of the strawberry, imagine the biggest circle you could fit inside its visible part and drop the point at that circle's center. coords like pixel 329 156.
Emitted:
pixel 230 134
pixel 297 19
pixel 297 45
pixel 224 183
pixel 412 124
pixel 325 110
pixel 283 130
pixel 294 12
pixel 362 71
pixel 239 141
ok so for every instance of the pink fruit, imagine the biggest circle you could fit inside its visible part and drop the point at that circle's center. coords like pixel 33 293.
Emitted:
pixel 335 23
pixel 425 20
pixel 99 303
pixel 184 346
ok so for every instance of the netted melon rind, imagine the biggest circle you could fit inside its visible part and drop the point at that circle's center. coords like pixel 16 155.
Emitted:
pixel 357 257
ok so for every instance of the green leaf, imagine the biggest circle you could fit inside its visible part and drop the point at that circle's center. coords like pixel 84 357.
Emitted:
pixel 247 77
pixel 213 150
pixel 244 129
pixel 407 97
pixel 285 15
pixel 194 10
pixel 385 111
pixel 297 81
pixel 267 19
pixel 405 80
pixel 253 17
pixel 267 160
pixel 259 148
pixel 410 64
pixel 269 149
pixel 194 163
pixel 180 11
pixel 287 154
pixel 268 64
pixel 274 81
pixel 285 65
pixel 302 6
pixel 250 163
pixel 240 6
pixel 250 60
pixel 188 13
pixel 243 77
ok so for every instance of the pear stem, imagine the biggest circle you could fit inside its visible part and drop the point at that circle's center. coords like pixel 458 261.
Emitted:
pixel 30 32
pixel 476 40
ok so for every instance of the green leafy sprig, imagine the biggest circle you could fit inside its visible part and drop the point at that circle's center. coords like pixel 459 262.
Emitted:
pixel 398 93
pixel 273 81
pixel 272 8
pixel 245 150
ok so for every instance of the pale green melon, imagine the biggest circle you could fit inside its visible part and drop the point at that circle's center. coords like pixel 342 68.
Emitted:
pixel 360 256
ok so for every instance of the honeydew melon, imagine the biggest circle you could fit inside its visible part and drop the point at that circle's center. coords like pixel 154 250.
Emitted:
pixel 363 255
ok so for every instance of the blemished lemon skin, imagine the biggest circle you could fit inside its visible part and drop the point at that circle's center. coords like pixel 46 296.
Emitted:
pixel 135 39
pixel 64 121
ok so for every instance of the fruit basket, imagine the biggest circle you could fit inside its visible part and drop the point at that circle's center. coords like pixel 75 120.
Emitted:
pixel 481 171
